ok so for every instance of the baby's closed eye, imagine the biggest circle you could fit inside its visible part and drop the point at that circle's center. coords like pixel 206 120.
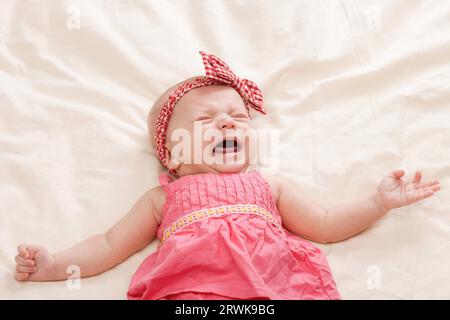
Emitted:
pixel 203 118
pixel 240 116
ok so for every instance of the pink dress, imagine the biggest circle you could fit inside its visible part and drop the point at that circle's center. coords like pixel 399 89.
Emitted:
pixel 222 238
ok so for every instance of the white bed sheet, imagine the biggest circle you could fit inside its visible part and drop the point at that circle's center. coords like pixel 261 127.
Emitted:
pixel 357 88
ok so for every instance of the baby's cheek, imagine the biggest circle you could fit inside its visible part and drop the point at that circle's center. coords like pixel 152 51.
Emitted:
pixel 201 143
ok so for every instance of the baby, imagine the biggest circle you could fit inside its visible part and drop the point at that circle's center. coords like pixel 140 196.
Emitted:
pixel 226 230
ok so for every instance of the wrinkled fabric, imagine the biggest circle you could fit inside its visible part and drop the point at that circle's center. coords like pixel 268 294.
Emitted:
pixel 356 88
pixel 236 255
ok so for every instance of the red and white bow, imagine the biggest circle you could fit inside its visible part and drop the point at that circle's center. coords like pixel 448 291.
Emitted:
pixel 218 70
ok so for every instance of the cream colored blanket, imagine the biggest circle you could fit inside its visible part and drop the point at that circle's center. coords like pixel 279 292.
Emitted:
pixel 357 89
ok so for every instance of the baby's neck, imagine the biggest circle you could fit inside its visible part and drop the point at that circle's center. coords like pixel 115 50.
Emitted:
pixel 245 169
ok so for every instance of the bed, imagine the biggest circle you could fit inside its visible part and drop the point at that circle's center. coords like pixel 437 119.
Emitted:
pixel 355 88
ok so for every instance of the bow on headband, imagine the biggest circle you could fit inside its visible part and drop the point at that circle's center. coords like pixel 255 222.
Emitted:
pixel 218 70
pixel 217 73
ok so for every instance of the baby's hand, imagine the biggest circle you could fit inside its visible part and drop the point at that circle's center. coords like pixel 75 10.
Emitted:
pixel 394 192
pixel 34 263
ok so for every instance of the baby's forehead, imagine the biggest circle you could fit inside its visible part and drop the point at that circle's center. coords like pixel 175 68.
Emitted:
pixel 213 97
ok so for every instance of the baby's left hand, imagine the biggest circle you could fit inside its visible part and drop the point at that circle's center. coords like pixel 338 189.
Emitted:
pixel 394 192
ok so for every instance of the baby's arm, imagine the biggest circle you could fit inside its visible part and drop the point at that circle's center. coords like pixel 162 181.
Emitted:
pixel 99 252
pixel 306 218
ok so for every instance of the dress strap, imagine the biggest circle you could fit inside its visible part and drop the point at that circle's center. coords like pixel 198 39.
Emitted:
pixel 165 179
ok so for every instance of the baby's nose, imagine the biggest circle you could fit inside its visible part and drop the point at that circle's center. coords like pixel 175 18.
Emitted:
pixel 227 122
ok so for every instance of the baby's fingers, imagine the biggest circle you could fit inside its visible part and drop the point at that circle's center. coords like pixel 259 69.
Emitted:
pixel 428 192
pixel 397 174
pixel 417 177
pixel 24 262
pixel 21 276
pixel 22 249
pixel 24 269
pixel 427 184
pixel 422 194
pixel 435 187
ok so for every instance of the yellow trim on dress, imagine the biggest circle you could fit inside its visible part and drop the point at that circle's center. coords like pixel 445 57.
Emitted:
pixel 217 211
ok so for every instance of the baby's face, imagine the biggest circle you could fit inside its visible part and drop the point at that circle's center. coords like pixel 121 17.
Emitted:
pixel 206 132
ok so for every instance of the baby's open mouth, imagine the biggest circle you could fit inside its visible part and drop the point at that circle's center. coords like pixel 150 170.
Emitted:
pixel 227 146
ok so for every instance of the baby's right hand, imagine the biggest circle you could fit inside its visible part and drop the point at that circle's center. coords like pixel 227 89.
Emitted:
pixel 34 263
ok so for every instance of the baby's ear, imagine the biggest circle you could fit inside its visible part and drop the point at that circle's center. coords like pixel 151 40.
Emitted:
pixel 172 163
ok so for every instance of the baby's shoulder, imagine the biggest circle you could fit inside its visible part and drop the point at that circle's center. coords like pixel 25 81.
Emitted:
pixel 158 198
pixel 274 183
pixel 278 183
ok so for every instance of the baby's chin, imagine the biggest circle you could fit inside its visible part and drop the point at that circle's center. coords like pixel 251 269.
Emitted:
pixel 229 168
pixel 228 162
pixel 212 168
